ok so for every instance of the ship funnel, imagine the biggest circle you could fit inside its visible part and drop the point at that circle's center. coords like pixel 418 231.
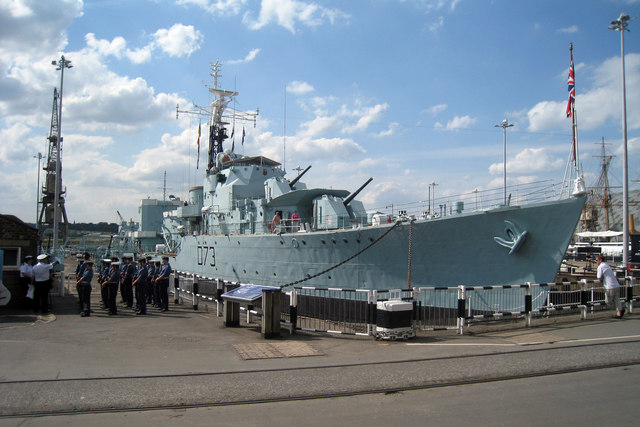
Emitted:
pixel 355 193
pixel 297 178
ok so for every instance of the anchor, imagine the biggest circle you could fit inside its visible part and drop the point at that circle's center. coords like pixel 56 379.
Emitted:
pixel 515 237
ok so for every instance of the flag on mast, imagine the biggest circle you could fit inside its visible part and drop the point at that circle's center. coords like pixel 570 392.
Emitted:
pixel 243 135
pixel 571 106
pixel 198 161
pixel 572 86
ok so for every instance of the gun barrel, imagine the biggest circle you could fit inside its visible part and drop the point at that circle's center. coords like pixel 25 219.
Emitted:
pixel 297 178
pixel 355 193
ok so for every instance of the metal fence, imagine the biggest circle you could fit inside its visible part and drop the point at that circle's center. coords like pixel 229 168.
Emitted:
pixel 357 311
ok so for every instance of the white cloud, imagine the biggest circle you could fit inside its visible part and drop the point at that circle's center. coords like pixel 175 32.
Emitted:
pixel 569 30
pixel 528 161
pixel 456 123
pixel 390 130
pixel 250 57
pixel 179 40
pixel 596 105
pixel 115 47
pixel 365 116
pixel 217 7
pixel 435 26
pixel 35 27
pixel 436 109
pixel 299 88
pixel 289 13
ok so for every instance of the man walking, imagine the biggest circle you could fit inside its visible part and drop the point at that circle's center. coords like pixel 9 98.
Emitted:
pixel 611 286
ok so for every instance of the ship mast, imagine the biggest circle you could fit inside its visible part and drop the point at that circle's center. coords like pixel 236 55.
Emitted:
pixel 219 115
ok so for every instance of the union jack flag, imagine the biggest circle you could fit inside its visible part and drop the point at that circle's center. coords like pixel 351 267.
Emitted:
pixel 572 88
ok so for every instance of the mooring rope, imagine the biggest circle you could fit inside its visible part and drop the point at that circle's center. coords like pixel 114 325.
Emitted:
pixel 346 260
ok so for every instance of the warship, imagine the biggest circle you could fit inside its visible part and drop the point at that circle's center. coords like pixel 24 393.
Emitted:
pixel 248 223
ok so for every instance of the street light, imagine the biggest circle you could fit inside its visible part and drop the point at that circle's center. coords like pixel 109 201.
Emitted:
pixel 620 25
pixel 61 65
pixel 504 125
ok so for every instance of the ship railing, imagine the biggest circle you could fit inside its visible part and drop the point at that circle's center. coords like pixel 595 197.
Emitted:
pixel 475 200
pixel 359 312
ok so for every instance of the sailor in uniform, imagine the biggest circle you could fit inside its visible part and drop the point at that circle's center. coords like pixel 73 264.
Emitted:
pixel 140 283
pixel 112 287
pixel 84 287
pixel 151 272
pixel 102 279
pixel 162 282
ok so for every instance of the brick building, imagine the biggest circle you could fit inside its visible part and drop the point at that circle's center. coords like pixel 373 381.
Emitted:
pixel 17 240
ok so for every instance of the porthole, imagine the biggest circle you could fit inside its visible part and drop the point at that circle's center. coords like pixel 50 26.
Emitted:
pixel 333 241
pixel 323 242
pixel 345 240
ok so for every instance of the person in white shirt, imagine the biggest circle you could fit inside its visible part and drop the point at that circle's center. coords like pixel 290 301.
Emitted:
pixel 42 282
pixel 611 286
pixel 26 276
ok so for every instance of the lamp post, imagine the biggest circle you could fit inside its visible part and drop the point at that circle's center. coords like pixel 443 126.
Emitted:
pixel 620 25
pixel 39 157
pixel 504 125
pixel 61 65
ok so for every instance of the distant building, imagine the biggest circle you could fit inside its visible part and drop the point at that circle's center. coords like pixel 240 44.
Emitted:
pixel 149 233
pixel 17 240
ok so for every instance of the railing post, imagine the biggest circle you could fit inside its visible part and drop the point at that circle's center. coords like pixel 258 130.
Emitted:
pixel 461 303
pixel 195 291
pixel 584 299
pixel 271 313
pixel 231 309
pixel 293 311
pixel 629 283
pixel 528 305
pixel 373 312
pixel 219 292
pixel 176 286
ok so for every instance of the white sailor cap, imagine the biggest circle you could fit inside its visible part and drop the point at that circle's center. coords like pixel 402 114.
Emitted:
pixel 42 257
pixel 115 263
pixel 107 260
pixel 79 256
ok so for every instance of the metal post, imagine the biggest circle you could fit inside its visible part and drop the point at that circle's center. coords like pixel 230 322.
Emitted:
pixel 504 125
pixel 620 25
pixel 528 306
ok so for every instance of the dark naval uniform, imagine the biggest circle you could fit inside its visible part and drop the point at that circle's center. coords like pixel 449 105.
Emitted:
pixel 140 283
pixel 112 288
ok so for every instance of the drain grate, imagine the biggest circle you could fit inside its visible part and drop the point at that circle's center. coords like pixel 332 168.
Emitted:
pixel 275 350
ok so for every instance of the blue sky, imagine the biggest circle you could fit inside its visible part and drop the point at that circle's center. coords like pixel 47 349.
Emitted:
pixel 407 92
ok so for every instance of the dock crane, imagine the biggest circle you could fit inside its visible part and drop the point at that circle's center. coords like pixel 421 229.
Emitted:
pixel 47 209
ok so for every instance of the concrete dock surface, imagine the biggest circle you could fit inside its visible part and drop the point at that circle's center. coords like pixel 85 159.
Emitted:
pixel 184 366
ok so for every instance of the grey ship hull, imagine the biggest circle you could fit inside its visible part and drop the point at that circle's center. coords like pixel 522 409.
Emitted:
pixel 449 251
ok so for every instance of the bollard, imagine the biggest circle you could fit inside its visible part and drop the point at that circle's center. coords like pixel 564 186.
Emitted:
pixel 231 310
pixel 195 292
pixel 528 304
pixel 584 296
pixel 461 307
pixel 271 313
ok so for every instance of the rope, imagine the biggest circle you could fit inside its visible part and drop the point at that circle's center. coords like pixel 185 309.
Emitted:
pixel 346 260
